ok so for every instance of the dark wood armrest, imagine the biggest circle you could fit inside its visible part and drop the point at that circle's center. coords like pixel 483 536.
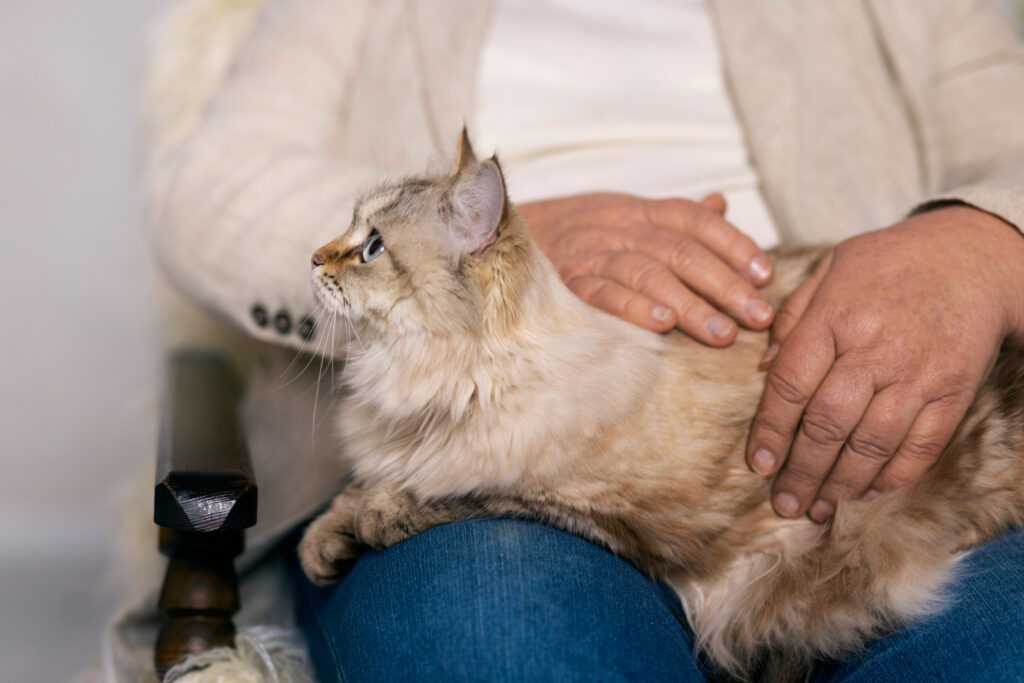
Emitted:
pixel 205 498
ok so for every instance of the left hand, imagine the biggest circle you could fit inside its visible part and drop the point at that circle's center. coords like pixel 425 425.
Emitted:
pixel 657 263
pixel 881 352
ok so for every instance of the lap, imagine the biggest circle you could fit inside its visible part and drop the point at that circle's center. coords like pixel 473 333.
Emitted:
pixel 512 600
pixel 496 600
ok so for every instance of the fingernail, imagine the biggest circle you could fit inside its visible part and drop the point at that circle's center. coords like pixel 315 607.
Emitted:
pixel 822 511
pixel 786 504
pixel 768 357
pixel 872 494
pixel 760 268
pixel 759 310
pixel 719 326
pixel 661 313
pixel 763 461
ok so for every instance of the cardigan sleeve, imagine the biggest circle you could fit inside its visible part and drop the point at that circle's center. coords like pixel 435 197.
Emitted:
pixel 976 95
pixel 243 194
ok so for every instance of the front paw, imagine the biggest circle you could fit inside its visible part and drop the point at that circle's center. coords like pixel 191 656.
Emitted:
pixel 387 515
pixel 328 549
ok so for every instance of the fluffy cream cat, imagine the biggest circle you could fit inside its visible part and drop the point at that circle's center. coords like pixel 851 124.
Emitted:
pixel 480 384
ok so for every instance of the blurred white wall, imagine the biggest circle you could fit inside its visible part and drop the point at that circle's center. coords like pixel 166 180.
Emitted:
pixel 79 348
pixel 78 341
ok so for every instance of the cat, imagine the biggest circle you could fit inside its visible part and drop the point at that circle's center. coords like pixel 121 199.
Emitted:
pixel 478 384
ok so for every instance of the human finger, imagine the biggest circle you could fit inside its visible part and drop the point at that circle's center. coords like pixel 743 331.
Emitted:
pixel 870 446
pixel 709 227
pixel 931 431
pixel 833 412
pixel 795 374
pixel 700 270
pixel 646 275
pixel 795 305
pixel 611 297
pixel 714 201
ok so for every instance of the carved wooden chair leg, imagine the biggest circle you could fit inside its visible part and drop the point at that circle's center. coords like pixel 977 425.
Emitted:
pixel 199 595
pixel 205 498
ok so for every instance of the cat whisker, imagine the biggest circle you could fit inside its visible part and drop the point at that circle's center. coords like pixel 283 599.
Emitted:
pixel 328 340
pixel 320 347
pixel 355 333
pixel 319 378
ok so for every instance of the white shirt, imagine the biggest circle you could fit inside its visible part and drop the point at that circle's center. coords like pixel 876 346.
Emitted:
pixel 589 95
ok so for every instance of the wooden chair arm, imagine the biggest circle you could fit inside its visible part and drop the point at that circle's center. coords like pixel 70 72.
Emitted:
pixel 205 498
pixel 204 474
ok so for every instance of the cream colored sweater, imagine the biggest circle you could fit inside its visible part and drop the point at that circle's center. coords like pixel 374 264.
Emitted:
pixel 267 118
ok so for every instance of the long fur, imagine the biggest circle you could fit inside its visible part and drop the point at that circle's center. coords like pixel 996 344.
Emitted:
pixel 262 654
pixel 480 384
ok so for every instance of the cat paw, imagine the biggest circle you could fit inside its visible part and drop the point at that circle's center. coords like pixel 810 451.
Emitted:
pixel 328 549
pixel 389 515
pixel 383 518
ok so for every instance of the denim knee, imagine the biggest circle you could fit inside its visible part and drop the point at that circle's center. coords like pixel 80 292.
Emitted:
pixel 496 600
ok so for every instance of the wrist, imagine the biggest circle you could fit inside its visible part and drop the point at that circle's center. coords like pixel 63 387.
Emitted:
pixel 1004 247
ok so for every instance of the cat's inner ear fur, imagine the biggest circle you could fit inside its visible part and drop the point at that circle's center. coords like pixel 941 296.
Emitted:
pixel 478 201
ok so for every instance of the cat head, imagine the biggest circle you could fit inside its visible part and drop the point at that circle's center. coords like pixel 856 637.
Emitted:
pixel 438 255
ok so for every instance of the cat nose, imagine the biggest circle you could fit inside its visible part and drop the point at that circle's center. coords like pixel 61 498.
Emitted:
pixel 317 260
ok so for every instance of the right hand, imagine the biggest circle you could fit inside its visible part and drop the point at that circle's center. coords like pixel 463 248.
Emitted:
pixel 656 263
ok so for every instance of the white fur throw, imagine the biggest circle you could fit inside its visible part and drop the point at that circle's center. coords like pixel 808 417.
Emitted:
pixel 262 654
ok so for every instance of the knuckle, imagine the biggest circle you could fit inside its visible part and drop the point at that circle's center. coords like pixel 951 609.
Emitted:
pixel 691 310
pixel 870 326
pixel 680 206
pixel 921 450
pixel 771 434
pixel 683 256
pixel 587 288
pixel 626 304
pixel 843 488
pixel 599 262
pixel 891 423
pixel 953 394
pixel 644 276
pixel 900 346
pixel 664 212
pixel 802 475
pixel 822 429
pixel 738 290
pixel 785 385
pixel 870 446
pixel 569 271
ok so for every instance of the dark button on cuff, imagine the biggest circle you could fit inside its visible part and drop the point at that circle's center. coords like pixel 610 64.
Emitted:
pixel 283 322
pixel 259 315
pixel 307 328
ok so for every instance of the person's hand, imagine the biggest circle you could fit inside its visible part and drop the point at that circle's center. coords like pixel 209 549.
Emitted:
pixel 880 354
pixel 656 263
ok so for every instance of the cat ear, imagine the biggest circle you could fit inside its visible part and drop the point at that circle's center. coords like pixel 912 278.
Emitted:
pixel 465 157
pixel 480 200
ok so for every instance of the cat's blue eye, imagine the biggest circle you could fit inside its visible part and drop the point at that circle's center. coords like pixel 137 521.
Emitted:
pixel 372 247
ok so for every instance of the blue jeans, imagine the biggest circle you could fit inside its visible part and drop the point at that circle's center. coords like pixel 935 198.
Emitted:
pixel 511 600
